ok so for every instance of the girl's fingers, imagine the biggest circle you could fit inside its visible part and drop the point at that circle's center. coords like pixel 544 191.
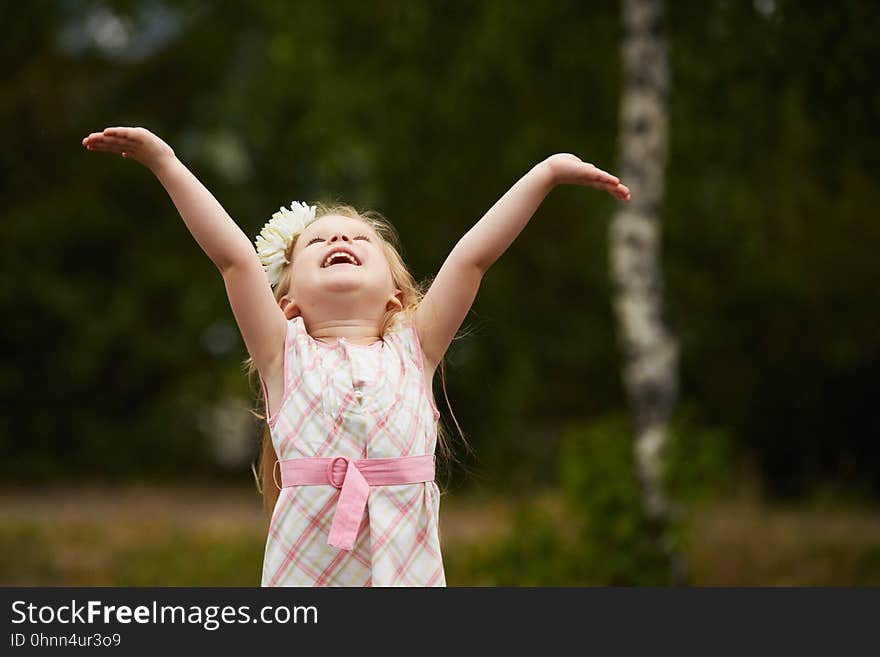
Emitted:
pixel 618 190
pixel 103 144
pixel 598 175
pixel 112 142
pixel 611 188
pixel 119 141
pixel 607 185
pixel 114 135
pixel 113 146
pixel 593 176
pixel 103 147
pixel 604 176
pixel 116 132
pixel 124 133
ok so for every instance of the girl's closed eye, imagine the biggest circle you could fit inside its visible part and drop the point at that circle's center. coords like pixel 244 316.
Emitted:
pixel 317 239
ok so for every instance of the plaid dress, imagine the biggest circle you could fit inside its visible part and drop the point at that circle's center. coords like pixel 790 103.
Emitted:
pixel 357 401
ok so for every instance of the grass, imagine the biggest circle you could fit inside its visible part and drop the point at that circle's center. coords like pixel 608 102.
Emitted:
pixel 208 535
pixel 817 544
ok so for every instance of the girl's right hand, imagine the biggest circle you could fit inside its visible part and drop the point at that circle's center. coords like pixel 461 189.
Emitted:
pixel 136 143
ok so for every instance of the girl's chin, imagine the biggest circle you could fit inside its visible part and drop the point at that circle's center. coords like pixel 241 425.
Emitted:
pixel 343 283
pixel 351 272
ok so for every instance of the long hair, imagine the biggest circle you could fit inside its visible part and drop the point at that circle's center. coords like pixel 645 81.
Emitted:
pixel 413 293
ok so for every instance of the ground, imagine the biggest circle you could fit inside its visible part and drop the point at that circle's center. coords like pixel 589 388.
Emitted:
pixel 213 535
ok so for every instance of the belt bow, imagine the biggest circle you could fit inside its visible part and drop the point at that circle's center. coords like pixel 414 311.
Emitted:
pixel 354 479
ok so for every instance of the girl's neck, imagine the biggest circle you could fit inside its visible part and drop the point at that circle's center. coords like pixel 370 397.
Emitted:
pixel 354 331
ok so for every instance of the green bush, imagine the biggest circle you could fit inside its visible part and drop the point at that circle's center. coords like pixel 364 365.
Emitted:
pixel 596 471
pixel 603 535
pixel 621 544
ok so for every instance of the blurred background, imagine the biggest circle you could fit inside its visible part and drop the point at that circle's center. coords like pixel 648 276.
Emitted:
pixel 126 440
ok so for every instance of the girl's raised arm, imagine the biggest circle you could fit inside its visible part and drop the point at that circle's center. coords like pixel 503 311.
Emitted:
pixel 260 320
pixel 453 290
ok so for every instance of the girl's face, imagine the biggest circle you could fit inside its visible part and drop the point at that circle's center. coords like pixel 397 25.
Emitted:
pixel 339 260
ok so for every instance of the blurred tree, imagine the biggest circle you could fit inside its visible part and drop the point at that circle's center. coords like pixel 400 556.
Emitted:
pixel 650 351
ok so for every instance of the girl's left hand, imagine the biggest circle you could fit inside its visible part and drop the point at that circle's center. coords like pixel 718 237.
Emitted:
pixel 568 169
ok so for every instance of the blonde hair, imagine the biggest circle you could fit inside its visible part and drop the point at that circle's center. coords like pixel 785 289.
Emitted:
pixel 413 293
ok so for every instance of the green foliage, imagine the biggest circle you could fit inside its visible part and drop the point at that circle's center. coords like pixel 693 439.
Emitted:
pixel 427 111
pixel 607 538
pixel 621 547
pixel 771 177
pixel 602 535
pixel 699 460
pixel 622 543
pixel 534 553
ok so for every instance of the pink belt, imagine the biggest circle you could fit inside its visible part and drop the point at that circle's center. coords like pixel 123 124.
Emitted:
pixel 354 477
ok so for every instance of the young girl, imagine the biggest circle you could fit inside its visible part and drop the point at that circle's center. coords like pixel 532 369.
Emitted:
pixel 346 346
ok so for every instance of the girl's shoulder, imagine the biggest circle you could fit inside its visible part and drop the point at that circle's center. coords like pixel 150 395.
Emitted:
pixel 400 322
pixel 295 329
pixel 297 338
pixel 403 327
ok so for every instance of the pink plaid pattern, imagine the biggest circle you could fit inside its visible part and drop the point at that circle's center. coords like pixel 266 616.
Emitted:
pixel 359 402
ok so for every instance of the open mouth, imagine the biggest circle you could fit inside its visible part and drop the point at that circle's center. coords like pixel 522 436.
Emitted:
pixel 340 258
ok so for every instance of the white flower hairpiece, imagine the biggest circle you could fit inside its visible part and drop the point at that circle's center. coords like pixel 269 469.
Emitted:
pixel 273 240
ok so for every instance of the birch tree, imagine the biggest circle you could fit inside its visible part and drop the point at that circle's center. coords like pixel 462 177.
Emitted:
pixel 650 351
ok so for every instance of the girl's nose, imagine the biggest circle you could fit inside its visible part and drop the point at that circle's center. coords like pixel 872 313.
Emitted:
pixel 343 237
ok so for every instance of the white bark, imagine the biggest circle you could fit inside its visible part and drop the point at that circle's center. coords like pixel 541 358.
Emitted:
pixel 650 351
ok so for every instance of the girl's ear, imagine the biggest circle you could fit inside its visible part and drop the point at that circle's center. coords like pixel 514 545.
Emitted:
pixel 289 307
pixel 395 301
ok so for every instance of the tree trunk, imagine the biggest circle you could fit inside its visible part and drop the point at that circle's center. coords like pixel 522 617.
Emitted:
pixel 650 351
